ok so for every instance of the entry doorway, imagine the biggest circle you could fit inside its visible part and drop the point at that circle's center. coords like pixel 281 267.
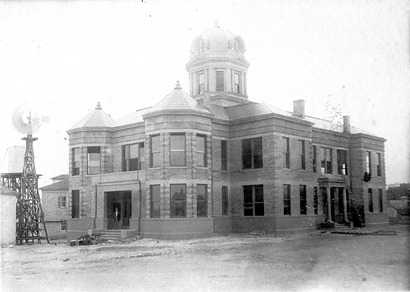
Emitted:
pixel 336 204
pixel 119 209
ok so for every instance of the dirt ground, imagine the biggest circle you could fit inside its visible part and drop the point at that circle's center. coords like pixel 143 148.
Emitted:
pixel 309 261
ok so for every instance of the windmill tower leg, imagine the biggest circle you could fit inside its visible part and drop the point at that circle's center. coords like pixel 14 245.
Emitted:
pixel 29 214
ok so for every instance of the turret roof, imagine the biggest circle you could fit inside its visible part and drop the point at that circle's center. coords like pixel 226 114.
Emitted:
pixel 96 118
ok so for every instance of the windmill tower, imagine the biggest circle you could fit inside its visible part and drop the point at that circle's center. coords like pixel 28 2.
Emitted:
pixel 29 213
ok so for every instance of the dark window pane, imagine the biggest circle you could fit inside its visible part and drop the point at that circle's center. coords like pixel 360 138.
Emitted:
pixel 178 201
pixel 202 201
pixel 224 200
pixel 259 209
pixel 155 201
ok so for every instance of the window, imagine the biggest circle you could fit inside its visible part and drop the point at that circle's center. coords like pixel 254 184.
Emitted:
pixel 75 159
pixel 253 201
pixel 201 151
pixel 342 162
pixel 220 84
pixel 202 201
pixel 62 202
pixel 177 151
pixel 379 164
pixel 63 225
pixel 286 199
pixel 201 83
pixel 314 159
pixel 302 160
pixel 224 200
pixel 302 197
pixel 326 160
pixel 94 160
pixel 286 152
pixel 224 155
pixel 380 200
pixel 178 201
pixel 370 192
pixel 252 153
pixel 155 151
pixel 315 201
pixel 75 204
pixel 133 157
pixel 368 162
pixel 237 83
pixel 155 193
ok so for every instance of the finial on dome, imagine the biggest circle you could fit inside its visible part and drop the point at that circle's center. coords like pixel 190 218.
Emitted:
pixel 177 86
pixel 216 23
pixel 98 107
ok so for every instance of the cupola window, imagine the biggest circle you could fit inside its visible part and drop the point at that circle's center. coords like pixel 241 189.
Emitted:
pixel 237 84
pixel 201 83
pixel 220 82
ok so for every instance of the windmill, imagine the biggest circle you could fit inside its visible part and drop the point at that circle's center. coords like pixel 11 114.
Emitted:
pixel 29 212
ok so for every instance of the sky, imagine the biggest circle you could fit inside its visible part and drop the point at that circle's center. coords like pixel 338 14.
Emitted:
pixel 63 57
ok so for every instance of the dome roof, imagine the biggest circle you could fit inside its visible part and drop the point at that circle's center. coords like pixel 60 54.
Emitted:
pixel 217 41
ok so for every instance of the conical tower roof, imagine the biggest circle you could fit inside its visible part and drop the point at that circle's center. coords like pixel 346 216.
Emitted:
pixel 96 118
pixel 177 101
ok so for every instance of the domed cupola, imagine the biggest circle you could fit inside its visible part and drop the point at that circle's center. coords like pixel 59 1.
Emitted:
pixel 218 66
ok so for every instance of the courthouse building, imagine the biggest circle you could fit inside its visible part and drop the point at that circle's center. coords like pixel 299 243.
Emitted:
pixel 210 160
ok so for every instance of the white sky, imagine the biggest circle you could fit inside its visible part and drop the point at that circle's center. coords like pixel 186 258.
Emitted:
pixel 66 56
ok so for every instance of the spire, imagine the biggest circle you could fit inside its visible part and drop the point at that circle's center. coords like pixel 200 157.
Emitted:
pixel 98 107
pixel 177 86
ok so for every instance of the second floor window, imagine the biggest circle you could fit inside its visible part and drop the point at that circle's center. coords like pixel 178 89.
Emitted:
pixel 133 157
pixel 286 152
pixel 342 162
pixel 326 160
pixel 155 151
pixel 201 83
pixel 252 153
pixel 94 160
pixel 224 155
pixel 368 162
pixel 220 84
pixel 302 157
pixel 201 150
pixel 379 164
pixel 177 150
pixel 75 160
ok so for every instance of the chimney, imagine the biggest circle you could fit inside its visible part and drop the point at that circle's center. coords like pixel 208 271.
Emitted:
pixel 346 124
pixel 207 100
pixel 299 108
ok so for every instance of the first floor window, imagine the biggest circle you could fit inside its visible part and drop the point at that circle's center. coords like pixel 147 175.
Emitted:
pixel 286 199
pixel 75 204
pixel 380 200
pixel 315 201
pixel 370 193
pixel 178 201
pixel 94 159
pixel 63 225
pixel 253 204
pixel 62 201
pixel 224 200
pixel 302 193
pixel 155 192
pixel 202 201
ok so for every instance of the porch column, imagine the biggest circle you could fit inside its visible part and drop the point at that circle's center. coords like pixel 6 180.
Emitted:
pixel 345 206
pixel 329 204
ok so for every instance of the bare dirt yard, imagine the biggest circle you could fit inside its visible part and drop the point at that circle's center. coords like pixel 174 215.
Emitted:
pixel 309 261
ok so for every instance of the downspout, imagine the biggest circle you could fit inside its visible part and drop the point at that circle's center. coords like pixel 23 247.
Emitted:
pixel 139 213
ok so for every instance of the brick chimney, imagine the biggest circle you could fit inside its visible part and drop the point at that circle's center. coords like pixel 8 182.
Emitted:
pixel 346 124
pixel 299 108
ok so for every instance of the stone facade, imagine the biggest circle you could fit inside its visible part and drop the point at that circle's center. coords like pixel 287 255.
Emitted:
pixel 256 177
